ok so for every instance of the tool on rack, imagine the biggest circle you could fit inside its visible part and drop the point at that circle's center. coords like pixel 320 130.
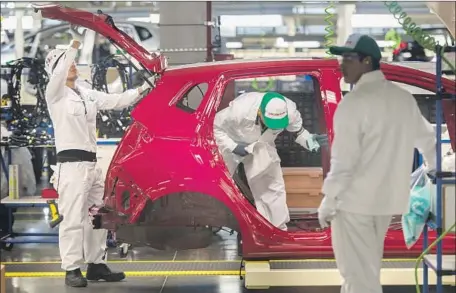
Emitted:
pixel 56 217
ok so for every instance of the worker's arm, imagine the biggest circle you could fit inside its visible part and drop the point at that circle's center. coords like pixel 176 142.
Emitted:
pixel 346 147
pixel 221 122
pixel 301 135
pixel 58 78
pixel 120 101
pixel 425 138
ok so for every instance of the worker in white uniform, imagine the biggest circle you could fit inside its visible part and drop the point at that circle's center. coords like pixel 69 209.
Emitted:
pixel 377 126
pixel 245 132
pixel 73 109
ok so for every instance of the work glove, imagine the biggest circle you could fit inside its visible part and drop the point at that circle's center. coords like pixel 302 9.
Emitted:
pixel 240 150
pixel 77 36
pixel 321 139
pixel 146 87
pixel 315 141
pixel 327 211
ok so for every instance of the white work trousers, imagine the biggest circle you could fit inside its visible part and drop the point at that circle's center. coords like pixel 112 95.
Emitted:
pixel 79 185
pixel 270 197
pixel 358 242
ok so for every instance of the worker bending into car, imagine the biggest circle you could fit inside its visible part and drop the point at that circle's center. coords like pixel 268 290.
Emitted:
pixel 245 132
pixel 77 179
pixel 377 126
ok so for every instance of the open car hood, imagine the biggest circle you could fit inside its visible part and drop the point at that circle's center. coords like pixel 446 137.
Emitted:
pixel 104 25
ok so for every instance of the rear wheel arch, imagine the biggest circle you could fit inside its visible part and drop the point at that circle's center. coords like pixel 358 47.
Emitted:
pixel 189 208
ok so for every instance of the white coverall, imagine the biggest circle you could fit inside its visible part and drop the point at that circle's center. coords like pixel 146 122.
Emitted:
pixel 377 126
pixel 238 124
pixel 79 184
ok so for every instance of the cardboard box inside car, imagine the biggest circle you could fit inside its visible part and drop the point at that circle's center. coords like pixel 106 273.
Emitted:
pixel 303 187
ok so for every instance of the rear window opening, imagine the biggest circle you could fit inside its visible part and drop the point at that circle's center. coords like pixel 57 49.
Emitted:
pixel 192 99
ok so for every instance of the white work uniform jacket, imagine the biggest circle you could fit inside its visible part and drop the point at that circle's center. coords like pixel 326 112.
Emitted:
pixel 238 124
pixel 377 126
pixel 73 115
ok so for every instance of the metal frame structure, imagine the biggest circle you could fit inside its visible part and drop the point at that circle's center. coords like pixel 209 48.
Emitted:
pixel 442 265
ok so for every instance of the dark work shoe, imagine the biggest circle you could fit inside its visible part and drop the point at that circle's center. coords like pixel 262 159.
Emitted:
pixel 75 279
pixel 96 272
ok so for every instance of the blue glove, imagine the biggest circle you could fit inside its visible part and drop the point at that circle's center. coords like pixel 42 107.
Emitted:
pixel 240 150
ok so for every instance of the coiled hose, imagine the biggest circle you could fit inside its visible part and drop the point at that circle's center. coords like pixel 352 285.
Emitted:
pixel 411 28
pixel 329 36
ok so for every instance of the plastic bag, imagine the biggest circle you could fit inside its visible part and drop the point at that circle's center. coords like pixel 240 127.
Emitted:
pixel 414 220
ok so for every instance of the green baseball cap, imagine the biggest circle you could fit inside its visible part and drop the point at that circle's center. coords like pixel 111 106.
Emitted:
pixel 274 110
pixel 357 43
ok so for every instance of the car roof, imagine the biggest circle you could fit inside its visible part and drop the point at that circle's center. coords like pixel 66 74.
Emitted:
pixel 242 61
pixel 228 65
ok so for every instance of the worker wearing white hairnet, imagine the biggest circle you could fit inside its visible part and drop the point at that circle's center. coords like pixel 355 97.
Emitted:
pixel 377 126
pixel 73 109
pixel 245 132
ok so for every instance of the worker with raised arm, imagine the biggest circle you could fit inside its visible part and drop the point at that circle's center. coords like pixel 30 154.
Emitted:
pixel 245 132
pixel 377 126
pixel 77 179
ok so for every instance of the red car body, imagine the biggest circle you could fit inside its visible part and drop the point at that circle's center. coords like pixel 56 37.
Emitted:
pixel 167 181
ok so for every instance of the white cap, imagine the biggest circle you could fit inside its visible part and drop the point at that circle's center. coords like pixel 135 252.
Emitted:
pixel 52 58
pixel 275 110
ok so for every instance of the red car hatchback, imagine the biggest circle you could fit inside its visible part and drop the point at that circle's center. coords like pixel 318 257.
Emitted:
pixel 167 184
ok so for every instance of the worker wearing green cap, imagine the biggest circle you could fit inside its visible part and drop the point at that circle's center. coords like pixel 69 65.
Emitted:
pixel 377 127
pixel 245 132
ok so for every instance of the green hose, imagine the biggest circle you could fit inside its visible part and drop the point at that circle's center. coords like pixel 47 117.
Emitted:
pixel 270 85
pixel 421 37
pixel 426 251
pixel 329 11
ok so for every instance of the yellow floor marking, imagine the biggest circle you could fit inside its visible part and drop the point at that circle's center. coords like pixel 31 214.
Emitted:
pixel 126 262
pixel 201 261
pixel 128 274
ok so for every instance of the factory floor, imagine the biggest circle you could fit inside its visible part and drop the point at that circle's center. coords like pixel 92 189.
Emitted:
pixel 223 248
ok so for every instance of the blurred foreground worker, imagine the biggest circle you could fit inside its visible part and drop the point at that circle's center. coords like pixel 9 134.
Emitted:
pixel 376 128
pixel 245 132
pixel 73 109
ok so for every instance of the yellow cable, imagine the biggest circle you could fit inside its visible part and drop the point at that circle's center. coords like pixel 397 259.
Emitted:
pixel 426 251
pixel 411 28
pixel 329 11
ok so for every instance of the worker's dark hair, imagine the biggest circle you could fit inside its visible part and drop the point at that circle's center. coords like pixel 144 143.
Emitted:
pixel 375 62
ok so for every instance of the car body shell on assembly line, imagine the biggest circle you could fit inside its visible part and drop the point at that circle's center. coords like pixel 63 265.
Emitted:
pixel 167 182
